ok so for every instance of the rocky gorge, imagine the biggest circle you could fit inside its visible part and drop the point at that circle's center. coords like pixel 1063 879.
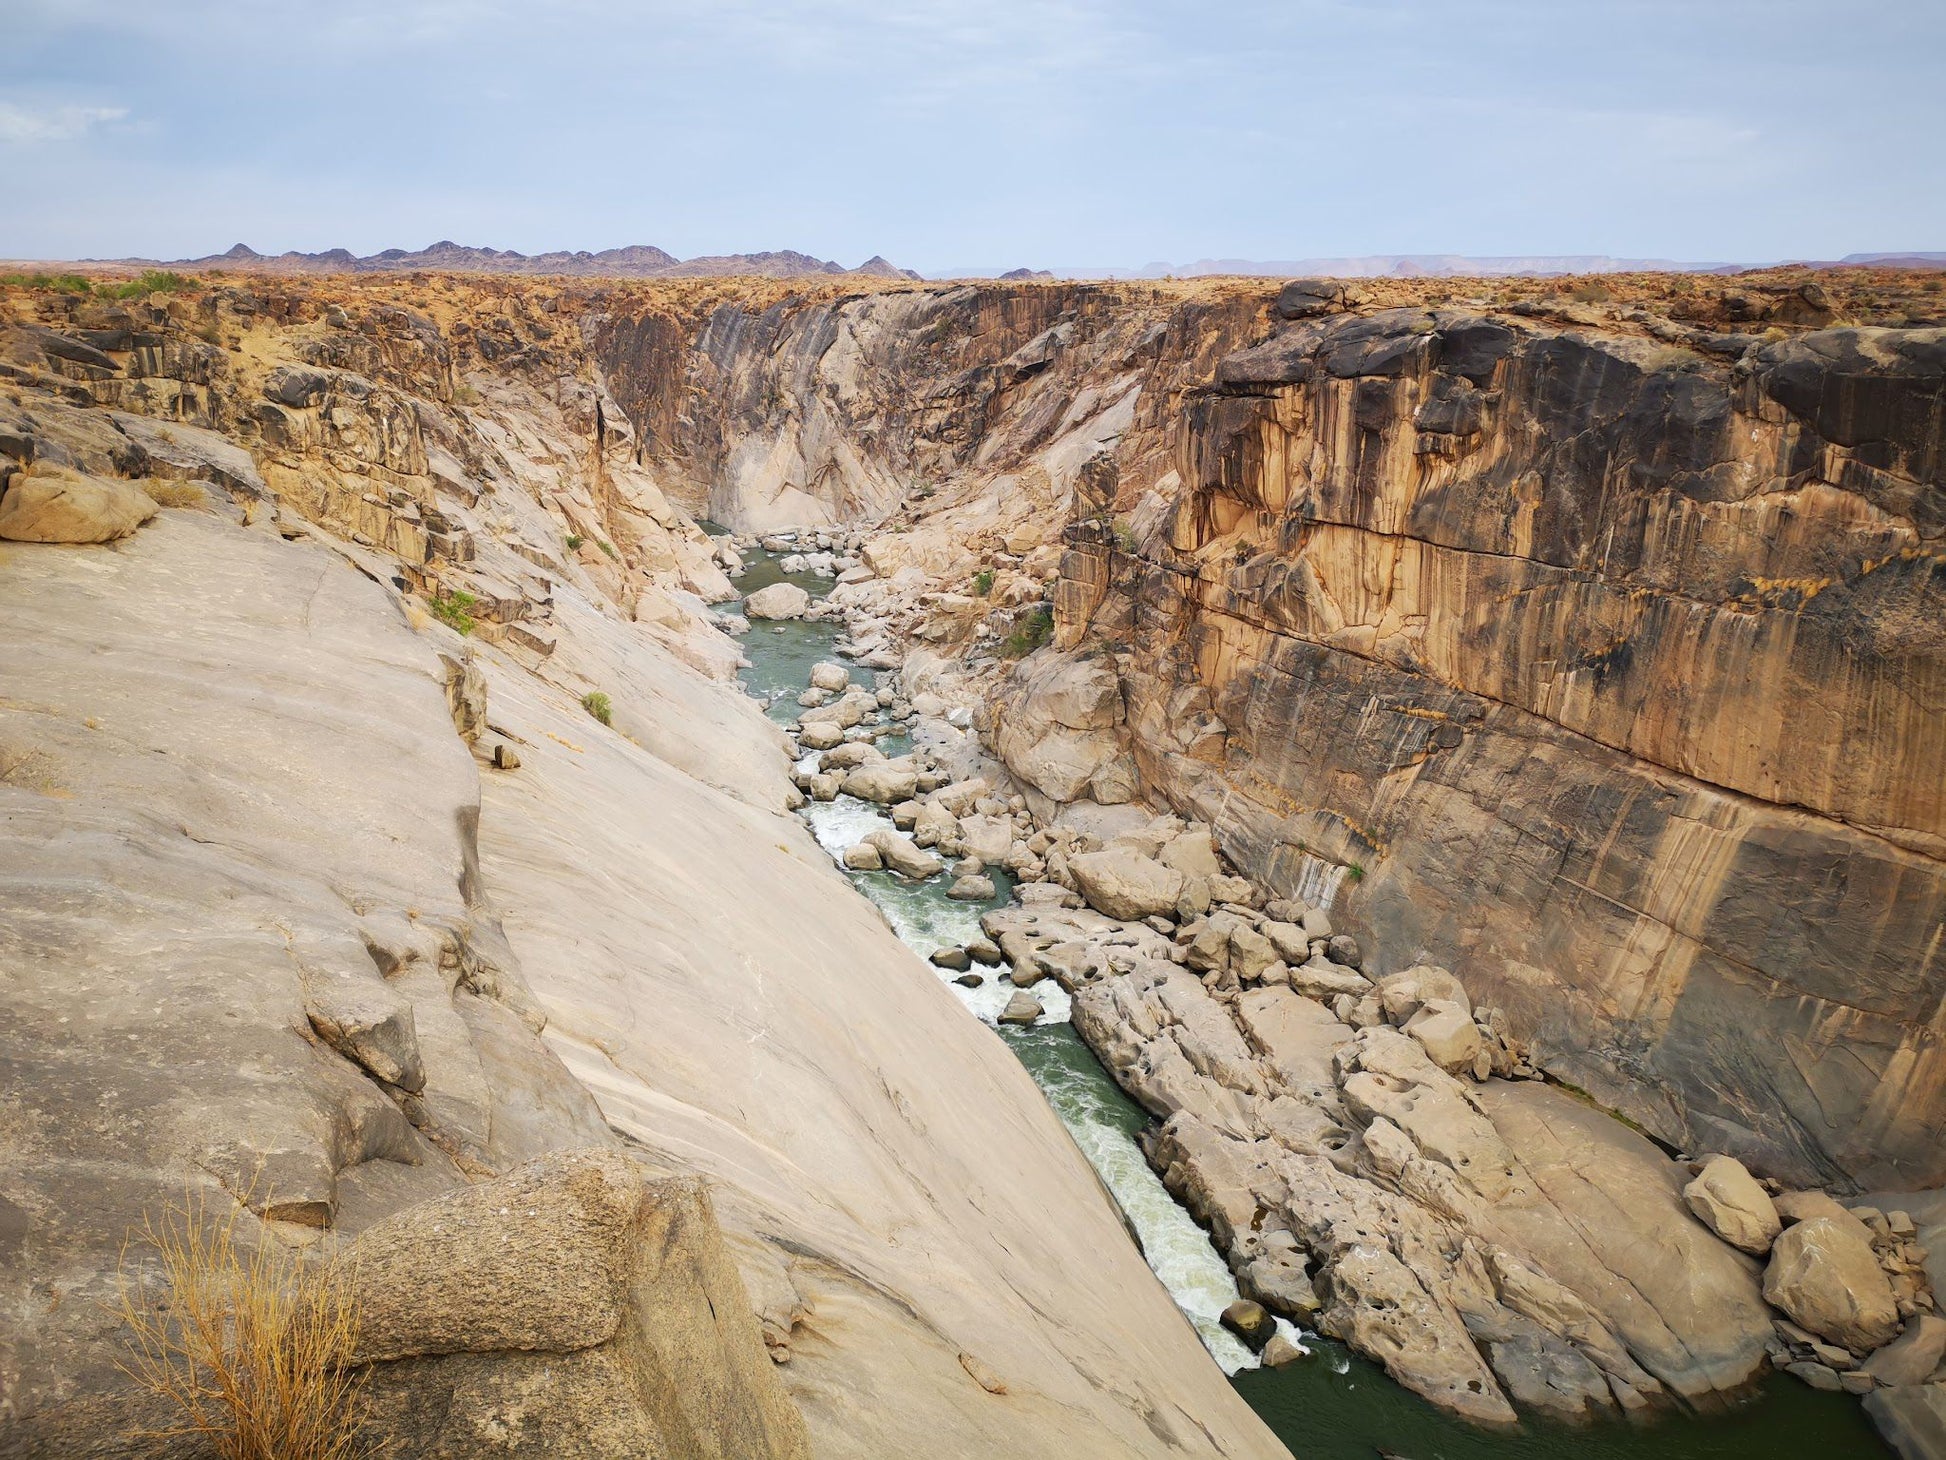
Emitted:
pixel 1470 763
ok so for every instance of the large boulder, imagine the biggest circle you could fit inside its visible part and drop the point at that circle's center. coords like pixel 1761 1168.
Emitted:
pixel 1827 1279
pixel 575 1308
pixel 778 601
pixel 1726 1199
pixel 1125 884
pixel 54 504
pixel 1447 1032
pixel 885 782
pixel 901 856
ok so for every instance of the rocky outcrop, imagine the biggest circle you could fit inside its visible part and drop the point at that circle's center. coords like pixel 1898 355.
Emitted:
pixel 573 1308
pixel 50 504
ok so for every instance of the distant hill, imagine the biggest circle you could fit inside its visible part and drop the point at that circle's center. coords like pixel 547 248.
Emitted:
pixel 1443 266
pixel 637 261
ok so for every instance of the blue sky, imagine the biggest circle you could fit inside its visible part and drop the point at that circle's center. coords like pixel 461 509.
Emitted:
pixel 1062 132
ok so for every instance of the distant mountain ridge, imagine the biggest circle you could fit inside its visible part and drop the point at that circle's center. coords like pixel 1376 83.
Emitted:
pixel 1446 266
pixel 636 261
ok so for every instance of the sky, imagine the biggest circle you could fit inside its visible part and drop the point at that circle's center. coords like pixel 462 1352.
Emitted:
pixel 951 134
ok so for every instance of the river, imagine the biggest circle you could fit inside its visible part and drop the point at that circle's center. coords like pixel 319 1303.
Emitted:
pixel 1331 1405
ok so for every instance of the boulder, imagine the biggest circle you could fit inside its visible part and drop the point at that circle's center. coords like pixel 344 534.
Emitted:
pixel 1125 884
pixel 955 959
pixel 864 857
pixel 1911 1358
pixel 778 601
pixel 820 735
pixel 1726 1199
pixel 883 782
pixel 990 838
pixel 1827 1279
pixel 972 888
pixel 1022 1008
pixel 1403 993
pixel 901 856
pixel 576 1307
pixel 54 504
pixel 834 678
pixel 1446 1031
pixel 1250 1322
pixel 1280 1351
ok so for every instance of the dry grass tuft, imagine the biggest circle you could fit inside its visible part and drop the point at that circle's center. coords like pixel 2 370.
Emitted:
pixel 175 494
pixel 250 1350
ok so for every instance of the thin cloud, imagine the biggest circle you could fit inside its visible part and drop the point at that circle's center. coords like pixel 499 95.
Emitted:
pixel 20 124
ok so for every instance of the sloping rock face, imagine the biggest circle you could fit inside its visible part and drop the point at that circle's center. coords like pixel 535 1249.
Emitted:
pixel 269 930
pixel 1606 674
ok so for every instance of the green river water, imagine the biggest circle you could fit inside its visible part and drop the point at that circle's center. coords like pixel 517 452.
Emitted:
pixel 1331 1405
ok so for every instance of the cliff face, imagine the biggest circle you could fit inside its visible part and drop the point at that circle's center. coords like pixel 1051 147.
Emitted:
pixel 1583 647
pixel 1608 674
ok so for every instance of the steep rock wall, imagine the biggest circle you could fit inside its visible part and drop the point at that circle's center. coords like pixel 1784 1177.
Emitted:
pixel 1608 674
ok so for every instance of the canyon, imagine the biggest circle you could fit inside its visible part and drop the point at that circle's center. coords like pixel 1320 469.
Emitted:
pixel 385 825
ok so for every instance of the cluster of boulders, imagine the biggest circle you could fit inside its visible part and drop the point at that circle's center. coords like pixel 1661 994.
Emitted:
pixel 1850 1282
pixel 1379 1159
pixel 823 552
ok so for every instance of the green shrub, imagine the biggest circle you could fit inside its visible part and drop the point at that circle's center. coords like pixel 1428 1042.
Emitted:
pixel 575 540
pixel 609 548
pixel 150 281
pixel 983 582
pixel 1030 635
pixel 596 704
pixel 1124 536
pixel 59 283
pixel 454 609
pixel 1355 872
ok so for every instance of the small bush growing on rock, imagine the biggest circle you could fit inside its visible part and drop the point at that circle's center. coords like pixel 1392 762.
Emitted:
pixel 1124 535
pixel 454 609
pixel 596 703
pixel 1355 872
pixel 175 494
pixel 249 1351
pixel 983 582
pixel 1035 631
pixel 575 540
pixel 608 547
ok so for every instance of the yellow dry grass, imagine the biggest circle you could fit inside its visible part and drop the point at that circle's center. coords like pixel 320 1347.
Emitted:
pixel 175 494
pixel 249 1349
